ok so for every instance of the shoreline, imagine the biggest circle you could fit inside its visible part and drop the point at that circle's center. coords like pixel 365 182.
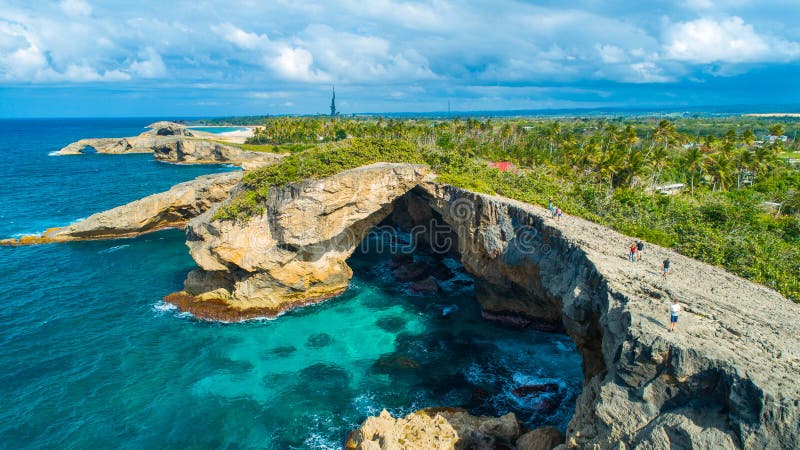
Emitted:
pixel 772 115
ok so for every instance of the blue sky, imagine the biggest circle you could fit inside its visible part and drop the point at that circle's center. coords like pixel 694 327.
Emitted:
pixel 236 57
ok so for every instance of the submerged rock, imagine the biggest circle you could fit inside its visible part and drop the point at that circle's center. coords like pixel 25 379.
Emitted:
pixel 410 271
pixel 391 363
pixel 535 389
pixel 319 340
pixel 428 286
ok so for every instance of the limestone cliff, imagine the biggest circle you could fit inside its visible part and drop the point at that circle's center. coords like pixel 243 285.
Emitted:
pixel 197 151
pixel 172 142
pixel 295 252
pixel 435 428
pixel 169 209
pixel 726 379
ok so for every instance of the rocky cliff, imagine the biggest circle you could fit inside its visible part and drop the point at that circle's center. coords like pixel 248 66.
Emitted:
pixel 295 252
pixel 172 142
pixel 726 379
pixel 197 151
pixel 170 209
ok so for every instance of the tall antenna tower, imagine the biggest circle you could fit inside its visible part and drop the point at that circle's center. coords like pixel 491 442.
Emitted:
pixel 333 101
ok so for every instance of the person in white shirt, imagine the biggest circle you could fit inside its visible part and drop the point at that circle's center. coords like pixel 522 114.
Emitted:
pixel 674 309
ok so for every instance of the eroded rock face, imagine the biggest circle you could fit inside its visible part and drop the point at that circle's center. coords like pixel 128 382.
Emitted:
pixel 725 379
pixel 545 438
pixel 173 142
pixel 170 209
pixel 197 151
pixel 435 428
pixel 293 254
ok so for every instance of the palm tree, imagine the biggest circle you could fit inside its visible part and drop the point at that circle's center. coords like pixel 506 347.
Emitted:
pixel 659 159
pixel 748 137
pixel 721 169
pixel 776 130
pixel 694 161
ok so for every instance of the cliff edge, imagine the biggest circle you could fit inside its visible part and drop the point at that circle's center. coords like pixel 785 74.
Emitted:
pixel 726 379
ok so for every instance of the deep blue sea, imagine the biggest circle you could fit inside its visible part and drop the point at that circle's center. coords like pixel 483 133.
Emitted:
pixel 90 357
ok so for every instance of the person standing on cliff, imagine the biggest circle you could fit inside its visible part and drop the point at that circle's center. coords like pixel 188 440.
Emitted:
pixel 550 205
pixel 639 249
pixel 632 250
pixel 674 309
pixel 665 267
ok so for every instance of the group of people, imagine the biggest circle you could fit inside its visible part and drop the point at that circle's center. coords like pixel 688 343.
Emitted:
pixel 555 212
pixel 635 253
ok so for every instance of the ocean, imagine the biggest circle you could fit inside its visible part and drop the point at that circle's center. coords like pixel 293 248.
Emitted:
pixel 92 358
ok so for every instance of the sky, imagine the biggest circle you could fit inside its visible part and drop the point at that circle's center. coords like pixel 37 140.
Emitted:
pixel 205 58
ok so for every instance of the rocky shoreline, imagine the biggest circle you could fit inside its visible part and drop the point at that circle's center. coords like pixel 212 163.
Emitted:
pixel 726 379
pixel 169 209
pixel 175 143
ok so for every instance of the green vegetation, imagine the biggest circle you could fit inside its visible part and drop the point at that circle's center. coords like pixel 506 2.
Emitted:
pixel 605 171
pixel 318 162
pixel 270 148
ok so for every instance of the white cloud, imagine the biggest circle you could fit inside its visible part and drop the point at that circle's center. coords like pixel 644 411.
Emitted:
pixel 295 64
pixel 647 72
pixel 269 95
pixel 611 54
pixel 730 40
pixel 150 65
pixel 75 7
pixel 82 73
pixel 239 37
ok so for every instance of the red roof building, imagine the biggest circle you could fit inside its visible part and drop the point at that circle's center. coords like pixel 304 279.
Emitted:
pixel 504 166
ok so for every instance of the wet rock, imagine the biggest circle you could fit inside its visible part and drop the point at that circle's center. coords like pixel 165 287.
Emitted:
pixel 410 271
pixel 548 405
pixel 544 438
pixel 535 389
pixel 428 286
pixel 435 428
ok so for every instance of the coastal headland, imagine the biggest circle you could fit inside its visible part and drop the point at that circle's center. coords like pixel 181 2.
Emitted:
pixel 726 379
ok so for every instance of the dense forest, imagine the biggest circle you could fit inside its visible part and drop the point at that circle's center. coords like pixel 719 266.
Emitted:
pixel 739 206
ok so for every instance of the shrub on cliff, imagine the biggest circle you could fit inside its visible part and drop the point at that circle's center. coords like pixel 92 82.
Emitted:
pixel 319 162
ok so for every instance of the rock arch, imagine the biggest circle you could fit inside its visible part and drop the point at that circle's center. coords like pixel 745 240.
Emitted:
pixel 727 379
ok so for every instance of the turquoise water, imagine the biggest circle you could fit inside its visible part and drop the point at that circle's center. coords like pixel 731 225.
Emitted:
pixel 217 130
pixel 91 357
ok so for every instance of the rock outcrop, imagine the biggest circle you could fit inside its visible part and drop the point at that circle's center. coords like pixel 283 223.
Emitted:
pixel 170 209
pixel 172 142
pixel 545 438
pixel 435 428
pixel 197 151
pixel 295 252
pixel 726 379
